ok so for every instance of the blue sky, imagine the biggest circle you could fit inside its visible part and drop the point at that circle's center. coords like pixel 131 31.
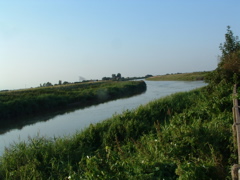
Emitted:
pixel 52 40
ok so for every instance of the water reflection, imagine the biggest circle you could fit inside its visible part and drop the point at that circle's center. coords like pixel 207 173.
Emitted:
pixel 19 123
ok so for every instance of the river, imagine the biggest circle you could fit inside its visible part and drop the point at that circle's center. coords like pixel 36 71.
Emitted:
pixel 67 123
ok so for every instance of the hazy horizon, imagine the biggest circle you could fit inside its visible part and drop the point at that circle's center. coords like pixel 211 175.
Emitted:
pixel 47 41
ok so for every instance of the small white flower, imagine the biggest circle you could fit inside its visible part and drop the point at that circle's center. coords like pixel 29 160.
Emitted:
pixel 88 157
pixel 69 177
pixel 156 140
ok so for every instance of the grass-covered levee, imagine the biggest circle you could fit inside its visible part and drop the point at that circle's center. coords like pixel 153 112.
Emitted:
pixel 182 136
pixel 22 103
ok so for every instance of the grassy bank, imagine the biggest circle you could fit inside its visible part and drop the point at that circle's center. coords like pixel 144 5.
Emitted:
pixel 195 76
pixel 182 136
pixel 21 103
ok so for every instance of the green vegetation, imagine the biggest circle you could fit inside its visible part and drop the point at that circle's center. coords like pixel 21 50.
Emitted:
pixel 229 66
pixel 195 76
pixel 39 100
pixel 186 136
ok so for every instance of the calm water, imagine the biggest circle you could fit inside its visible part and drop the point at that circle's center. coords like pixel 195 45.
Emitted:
pixel 69 122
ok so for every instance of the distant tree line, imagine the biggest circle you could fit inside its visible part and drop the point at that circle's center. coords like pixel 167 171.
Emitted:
pixel 114 77
pixel 119 77
pixel 48 84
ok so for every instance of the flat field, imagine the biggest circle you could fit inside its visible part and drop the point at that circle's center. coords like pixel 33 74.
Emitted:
pixel 194 76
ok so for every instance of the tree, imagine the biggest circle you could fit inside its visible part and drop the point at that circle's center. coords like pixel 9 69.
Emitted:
pixel 47 84
pixel 119 76
pixel 231 45
pixel 65 82
pixel 229 66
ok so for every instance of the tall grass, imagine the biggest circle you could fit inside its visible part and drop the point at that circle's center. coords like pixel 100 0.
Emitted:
pixel 182 136
pixel 39 100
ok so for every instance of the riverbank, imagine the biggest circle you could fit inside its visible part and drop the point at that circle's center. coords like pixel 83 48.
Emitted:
pixel 194 76
pixel 185 135
pixel 22 103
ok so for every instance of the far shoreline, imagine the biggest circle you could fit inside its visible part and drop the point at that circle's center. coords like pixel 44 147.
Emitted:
pixel 194 76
